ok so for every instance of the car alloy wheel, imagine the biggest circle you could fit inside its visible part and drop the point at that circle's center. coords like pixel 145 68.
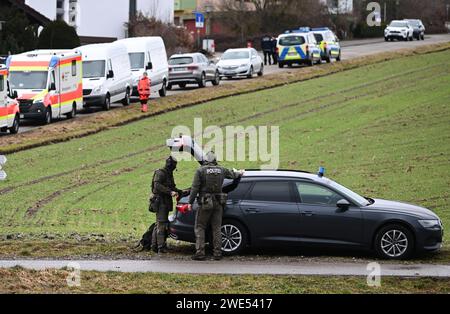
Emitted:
pixel 216 80
pixel 394 243
pixel 231 238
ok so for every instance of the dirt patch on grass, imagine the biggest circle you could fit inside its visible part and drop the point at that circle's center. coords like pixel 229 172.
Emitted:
pixel 84 126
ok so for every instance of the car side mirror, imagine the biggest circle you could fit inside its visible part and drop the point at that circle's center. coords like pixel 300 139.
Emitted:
pixel 149 66
pixel 110 74
pixel 14 95
pixel 52 87
pixel 343 204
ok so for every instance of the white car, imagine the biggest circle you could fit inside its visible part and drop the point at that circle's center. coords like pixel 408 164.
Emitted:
pixel 399 30
pixel 240 62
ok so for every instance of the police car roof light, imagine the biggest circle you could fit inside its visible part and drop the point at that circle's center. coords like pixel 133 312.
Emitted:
pixel 321 172
pixel 304 29
pixel 320 29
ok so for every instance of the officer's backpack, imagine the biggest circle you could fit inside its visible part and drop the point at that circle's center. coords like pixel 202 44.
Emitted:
pixel 145 244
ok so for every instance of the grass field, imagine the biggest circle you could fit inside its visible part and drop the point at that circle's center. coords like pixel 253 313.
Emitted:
pixel 382 130
pixel 19 280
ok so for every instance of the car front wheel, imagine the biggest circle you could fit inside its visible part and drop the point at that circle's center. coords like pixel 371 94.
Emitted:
pixel 394 242
pixel 234 237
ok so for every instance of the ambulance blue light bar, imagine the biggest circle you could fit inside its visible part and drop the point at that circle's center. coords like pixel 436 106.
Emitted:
pixel 321 172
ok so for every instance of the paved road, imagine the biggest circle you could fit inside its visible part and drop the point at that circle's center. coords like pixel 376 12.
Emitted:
pixel 232 267
pixel 350 49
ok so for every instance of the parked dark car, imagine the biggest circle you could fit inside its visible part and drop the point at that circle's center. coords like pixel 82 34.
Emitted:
pixel 419 29
pixel 293 208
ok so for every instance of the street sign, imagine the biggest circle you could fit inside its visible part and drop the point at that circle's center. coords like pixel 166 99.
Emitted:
pixel 3 161
pixel 199 20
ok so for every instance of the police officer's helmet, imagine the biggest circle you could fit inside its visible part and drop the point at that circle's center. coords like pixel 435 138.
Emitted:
pixel 171 163
pixel 211 157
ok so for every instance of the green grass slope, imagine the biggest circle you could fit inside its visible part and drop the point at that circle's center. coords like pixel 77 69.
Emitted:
pixel 382 130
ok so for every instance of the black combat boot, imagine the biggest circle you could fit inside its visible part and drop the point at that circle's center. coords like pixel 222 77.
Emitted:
pixel 198 257
pixel 217 257
pixel 163 250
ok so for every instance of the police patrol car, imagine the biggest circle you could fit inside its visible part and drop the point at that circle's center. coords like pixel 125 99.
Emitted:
pixel 328 43
pixel 298 46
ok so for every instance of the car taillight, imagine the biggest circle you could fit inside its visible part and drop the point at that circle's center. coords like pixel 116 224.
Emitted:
pixel 277 50
pixel 192 68
pixel 182 208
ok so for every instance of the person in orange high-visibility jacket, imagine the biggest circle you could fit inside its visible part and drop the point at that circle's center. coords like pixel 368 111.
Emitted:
pixel 144 86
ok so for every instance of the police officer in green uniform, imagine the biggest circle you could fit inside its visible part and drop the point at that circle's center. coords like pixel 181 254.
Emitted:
pixel 163 189
pixel 207 185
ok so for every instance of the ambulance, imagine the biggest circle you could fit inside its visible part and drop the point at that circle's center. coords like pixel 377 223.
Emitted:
pixel 328 43
pixel 9 108
pixel 48 83
pixel 298 46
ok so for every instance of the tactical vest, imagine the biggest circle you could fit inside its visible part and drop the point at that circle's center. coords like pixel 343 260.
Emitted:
pixel 213 177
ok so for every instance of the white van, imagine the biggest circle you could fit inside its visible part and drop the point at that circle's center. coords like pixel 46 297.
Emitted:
pixel 107 75
pixel 148 54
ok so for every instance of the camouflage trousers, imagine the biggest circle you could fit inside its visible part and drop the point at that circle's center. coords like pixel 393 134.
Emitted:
pixel 160 232
pixel 204 218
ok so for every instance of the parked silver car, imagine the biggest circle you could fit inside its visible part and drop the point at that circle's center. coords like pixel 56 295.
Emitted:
pixel 243 62
pixel 192 68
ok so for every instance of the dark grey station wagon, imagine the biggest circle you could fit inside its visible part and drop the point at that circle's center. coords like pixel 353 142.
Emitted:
pixel 293 208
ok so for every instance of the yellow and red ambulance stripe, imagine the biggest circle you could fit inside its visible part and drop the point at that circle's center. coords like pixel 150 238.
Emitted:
pixel 67 99
pixel 29 66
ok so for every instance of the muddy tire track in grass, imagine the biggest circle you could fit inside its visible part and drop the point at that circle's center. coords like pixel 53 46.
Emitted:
pixel 240 120
pixel 42 202
pixel 38 205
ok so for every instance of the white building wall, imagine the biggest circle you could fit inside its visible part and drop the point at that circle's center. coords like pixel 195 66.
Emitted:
pixel 105 18
pixel 162 9
pixel 45 7
pixel 343 6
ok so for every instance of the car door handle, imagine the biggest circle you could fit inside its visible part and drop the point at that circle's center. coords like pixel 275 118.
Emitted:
pixel 307 214
pixel 252 210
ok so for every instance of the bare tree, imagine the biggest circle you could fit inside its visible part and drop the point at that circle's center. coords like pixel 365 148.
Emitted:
pixel 255 17
pixel 177 39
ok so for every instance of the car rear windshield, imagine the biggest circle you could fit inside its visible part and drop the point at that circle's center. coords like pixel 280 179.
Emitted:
pixel 231 55
pixel 93 69
pixel 181 61
pixel 28 80
pixel 137 60
pixel 292 41
pixel 398 24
